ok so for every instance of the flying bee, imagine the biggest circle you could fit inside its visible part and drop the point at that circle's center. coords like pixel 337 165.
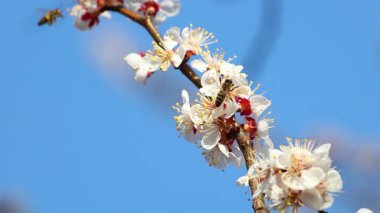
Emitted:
pixel 50 17
pixel 227 86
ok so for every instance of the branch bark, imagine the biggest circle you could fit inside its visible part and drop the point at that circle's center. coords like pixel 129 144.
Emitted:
pixel 245 145
pixel 146 22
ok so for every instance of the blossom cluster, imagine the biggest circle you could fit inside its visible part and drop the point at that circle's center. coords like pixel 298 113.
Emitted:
pixel 226 101
pixel 87 12
pixel 225 105
pixel 290 177
pixel 296 175
pixel 227 108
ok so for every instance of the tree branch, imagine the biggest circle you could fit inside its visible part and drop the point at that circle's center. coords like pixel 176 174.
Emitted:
pixel 146 22
pixel 245 145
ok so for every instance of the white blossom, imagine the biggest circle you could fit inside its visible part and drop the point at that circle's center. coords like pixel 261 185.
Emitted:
pixel 167 54
pixel 191 39
pixel 219 156
pixel 87 14
pixel 320 197
pixel 159 9
pixel 294 176
pixel 225 68
pixel 187 121
pixel 304 167
pixel 142 65
pixel 364 210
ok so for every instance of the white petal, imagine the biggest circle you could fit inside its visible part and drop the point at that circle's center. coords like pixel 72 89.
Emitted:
pixel 263 128
pixel 282 161
pixel 228 68
pixel 170 7
pixel 321 157
pixel 364 210
pixel 312 199
pixel 312 177
pixel 223 149
pixel 185 33
pixel 309 178
pixel 178 56
pixel 210 83
pixel 195 114
pixel 323 149
pixel 230 108
pixel 242 91
pixel 172 37
pixel 211 139
pixel 328 201
pixel 141 75
pixel 263 146
pixel 242 181
pixel 259 104
pixel 189 134
pixel 106 15
pixel 199 65
pixel 334 181
pixel 134 60
pixel 236 155
pixel 185 100
pixel 217 112
pixel 159 18
pixel 133 4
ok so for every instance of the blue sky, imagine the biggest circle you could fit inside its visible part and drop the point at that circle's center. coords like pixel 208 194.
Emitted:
pixel 77 134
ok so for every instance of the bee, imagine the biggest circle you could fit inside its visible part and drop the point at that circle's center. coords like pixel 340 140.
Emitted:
pixel 226 88
pixel 50 17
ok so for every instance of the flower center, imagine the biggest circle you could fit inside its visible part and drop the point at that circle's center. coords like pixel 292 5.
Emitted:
pixel 298 164
pixel 149 8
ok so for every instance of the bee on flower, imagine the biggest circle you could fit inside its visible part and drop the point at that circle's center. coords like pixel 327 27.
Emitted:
pixel 217 137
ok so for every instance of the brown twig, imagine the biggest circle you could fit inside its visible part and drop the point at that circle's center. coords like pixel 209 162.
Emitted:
pixel 245 145
pixel 246 148
pixel 146 22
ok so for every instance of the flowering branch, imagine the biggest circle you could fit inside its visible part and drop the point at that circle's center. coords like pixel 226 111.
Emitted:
pixel 244 143
pixel 226 120
pixel 146 22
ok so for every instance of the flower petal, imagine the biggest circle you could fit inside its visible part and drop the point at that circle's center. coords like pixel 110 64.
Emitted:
pixel 259 104
pixel 312 199
pixel 171 37
pixel 134 60
pixel 211 139
pixel 185 100
pixel 170 7
pixel 312 177
pixel 178 56
pixel 364 210
pixel 199 65
pixel 308 179
pixel 242 181
pixel 223 149
pixel 334 181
